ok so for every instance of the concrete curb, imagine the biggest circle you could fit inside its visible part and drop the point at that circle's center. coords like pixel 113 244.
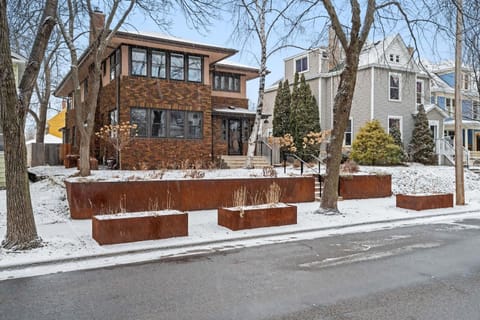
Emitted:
pixel 18 266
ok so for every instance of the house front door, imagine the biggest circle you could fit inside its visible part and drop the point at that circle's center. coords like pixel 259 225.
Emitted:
pixel 234 137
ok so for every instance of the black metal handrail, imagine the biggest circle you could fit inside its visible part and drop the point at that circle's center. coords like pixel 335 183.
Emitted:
pixel 265 150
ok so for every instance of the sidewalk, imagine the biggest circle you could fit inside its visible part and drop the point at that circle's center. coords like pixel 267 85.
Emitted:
pixel 69 245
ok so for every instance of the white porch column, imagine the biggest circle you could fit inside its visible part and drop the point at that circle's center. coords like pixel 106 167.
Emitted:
pixel 465 141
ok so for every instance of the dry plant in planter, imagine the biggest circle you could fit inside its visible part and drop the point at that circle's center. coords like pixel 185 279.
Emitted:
pixel 272 195
pixel 240 199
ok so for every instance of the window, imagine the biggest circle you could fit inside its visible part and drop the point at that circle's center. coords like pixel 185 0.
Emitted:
pixel 475 110
pixel 158 68
pixel 177 124
pixel 394 83
pixel 113 117
pixel 177 68
pixel 301 64
pixel 450 106
pixel 397 58
pixel 347 139
pixel 394 58
pixel 139 117
pixel 161 123
pixel 139 62
pixel 419 91
pixel 194 69
pixel 115 64
pixel 466 81
pixel 226 82
pixel 395 121
pixel 194 120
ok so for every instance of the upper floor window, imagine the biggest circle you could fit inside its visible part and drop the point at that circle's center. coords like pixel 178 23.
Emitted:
pixel 177 67
pixel 394 58
pixel 301 64
pixel 450 106
pixel 226 82
pixel 194 69
pixel 115 64
pixel 394 86
pixel 476 110
pixel 153 123
pixel 139 62
pixel 347 138
pixel 419 91
pixel 466 81
pixel 158 67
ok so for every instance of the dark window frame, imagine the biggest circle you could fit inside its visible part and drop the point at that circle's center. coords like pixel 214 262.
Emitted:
pixel 227 75
pixel 168 124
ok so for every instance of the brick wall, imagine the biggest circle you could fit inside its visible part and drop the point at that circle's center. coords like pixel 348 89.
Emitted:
pixel 225 101
pixel 143 153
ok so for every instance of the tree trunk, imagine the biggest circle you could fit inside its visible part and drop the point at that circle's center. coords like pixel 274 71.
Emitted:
pixel 252 141
pixel 42 121
pixel 84 160
pixel 341 113
pixel 21 230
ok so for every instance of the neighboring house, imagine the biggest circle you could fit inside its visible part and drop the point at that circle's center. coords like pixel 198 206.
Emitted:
pixel 56 124
pixel 443 95
pixel 390 86
pixel 188 102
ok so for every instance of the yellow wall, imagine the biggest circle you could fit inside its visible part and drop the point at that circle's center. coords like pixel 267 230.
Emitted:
pixel 57 122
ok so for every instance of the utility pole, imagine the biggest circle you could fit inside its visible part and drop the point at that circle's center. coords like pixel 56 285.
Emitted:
pixel 459 178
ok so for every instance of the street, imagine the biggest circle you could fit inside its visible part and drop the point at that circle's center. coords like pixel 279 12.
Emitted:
pixel 420 272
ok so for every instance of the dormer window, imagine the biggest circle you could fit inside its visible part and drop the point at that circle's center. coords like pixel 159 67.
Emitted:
pixel 301 64
pixel 226 82
pixel 394 58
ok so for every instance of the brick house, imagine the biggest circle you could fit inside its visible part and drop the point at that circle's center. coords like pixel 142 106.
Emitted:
pixel 188 102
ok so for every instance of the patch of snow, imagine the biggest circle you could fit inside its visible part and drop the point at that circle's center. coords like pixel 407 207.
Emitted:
pixel 65 238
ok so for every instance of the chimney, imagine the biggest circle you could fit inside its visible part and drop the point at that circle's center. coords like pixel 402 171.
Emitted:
pixel 97 23
pixel 335 50
pixel 411 50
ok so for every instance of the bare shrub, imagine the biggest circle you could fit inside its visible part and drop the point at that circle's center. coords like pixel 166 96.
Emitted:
pixel 194 174
pixel 240 199
pixel 272 195
pixel 269 171
pixel 349 166
pixel 257 198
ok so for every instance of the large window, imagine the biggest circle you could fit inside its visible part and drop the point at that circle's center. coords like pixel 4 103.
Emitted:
pixel 301 64
pixel 419 92
pixel 347 139
pixel 394 86
pixel 139 62
pixel 194 69
pixel 177 67
pixel 161 123
pixel 395 121
pixel 158 68
pixel 226 82
pixel 163 64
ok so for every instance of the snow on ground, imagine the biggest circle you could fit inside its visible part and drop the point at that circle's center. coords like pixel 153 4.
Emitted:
pixel 65 238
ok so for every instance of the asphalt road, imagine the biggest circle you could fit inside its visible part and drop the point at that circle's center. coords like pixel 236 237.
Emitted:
pixel 422 272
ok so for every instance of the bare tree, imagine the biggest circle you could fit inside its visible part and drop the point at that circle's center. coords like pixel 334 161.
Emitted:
pixel 261 19
pixel 21 229
pixel 352 43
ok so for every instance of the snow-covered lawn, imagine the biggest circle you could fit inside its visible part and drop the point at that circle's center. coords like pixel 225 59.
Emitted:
pixel 66 238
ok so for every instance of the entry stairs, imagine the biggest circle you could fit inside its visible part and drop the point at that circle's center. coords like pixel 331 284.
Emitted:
pixel 236 162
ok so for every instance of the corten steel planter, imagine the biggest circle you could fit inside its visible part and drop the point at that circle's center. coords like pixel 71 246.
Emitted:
pixel 120 228
pixel 98 197
pixel 256 217
pixel 365 186
pixel 424 201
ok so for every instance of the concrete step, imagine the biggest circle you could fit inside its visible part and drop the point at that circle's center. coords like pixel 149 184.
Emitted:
pixel 234 162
